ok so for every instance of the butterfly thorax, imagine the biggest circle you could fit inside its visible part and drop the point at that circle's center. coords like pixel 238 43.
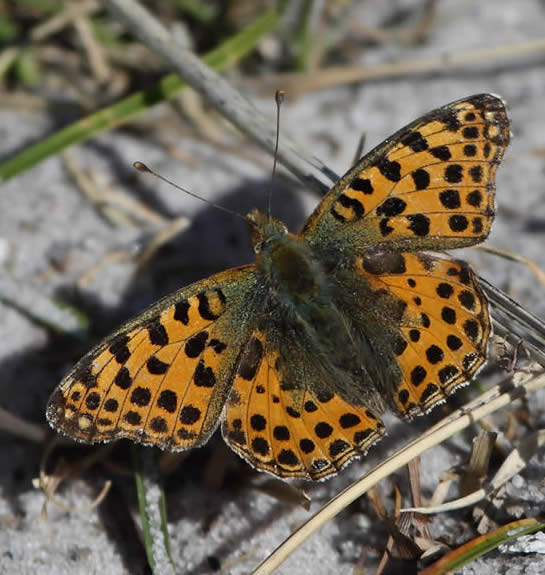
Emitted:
pixel 287 262
pixel 298 283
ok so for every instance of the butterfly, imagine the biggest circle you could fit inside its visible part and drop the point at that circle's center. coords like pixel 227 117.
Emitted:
pixel 298 354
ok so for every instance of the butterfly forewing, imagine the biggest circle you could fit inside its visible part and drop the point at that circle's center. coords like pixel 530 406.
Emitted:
pixel 430 186
pixel 163 378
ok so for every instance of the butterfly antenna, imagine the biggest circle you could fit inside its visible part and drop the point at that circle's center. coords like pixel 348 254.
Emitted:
pixel 141 167
pixel 279 98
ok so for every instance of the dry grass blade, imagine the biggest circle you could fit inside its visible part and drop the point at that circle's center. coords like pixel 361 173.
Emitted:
pixel 441 491
pixel 98 62
pixel 479 461
pixel 487 403
pixel 93 191
pixel 20 428
pixel 297 84
pixel 514 257
pixel 515 462
pixel 420 523
pixel 49 483
pixel 64 18
pixel 163 236
pixel 284 492
pixel 110 258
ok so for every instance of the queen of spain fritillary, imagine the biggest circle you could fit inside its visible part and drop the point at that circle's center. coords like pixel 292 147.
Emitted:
pixel 298 354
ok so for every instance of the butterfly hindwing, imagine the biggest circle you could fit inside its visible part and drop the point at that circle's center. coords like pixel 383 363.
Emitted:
pixel 429 186
pixel 292 429
pixel 162 378
pixel 437 339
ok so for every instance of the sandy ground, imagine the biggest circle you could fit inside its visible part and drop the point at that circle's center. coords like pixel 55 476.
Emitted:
pixel 50 235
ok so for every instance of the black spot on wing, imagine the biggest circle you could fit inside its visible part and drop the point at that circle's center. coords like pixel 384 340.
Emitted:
pixel 353 204
pixel 258 422
pixel 441 153
pixel 385 228
pixel 260 446
pixel 470 132
pixel 204 376
pixel 123 378
pixel 447 373
pixel 157 334
pixel 454 173
pixel 217 345
pixel 118 348
pixel 476 173
pixel 205 310
pixel 181 311
pixel 475 198
pixel 470 150
pixel 92 401
pixel 415 141
pixel 111 405
pixel 444 290
pixel 390 170
pixel 158 425
pixel 156 367
pixel 391 207
pixel 450 199
pixel 362 185
pixel 288 457
pixel 281 433
pixel 418 375
pixel 419 224
pixel 421 179
pixel 168 400
pixel 450 119
pixel 140 396
pixel 458 223
pixel 195 345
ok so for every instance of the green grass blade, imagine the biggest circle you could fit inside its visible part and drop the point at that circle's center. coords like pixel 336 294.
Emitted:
pixel 226 55
pixel 152 508
pixel 203 13
pixel 478 547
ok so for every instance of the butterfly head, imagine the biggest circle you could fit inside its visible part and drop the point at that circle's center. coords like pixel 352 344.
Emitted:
pixel 264 230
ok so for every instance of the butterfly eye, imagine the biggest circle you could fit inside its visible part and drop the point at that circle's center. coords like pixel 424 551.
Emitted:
pixel 265 244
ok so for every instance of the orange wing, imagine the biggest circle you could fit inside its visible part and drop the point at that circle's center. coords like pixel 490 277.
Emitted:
pixel 163 378
pixel 429 186
pixel 291 429
pixel 435 324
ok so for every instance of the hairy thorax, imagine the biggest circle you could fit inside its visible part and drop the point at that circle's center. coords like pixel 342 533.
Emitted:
pixel 299 283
